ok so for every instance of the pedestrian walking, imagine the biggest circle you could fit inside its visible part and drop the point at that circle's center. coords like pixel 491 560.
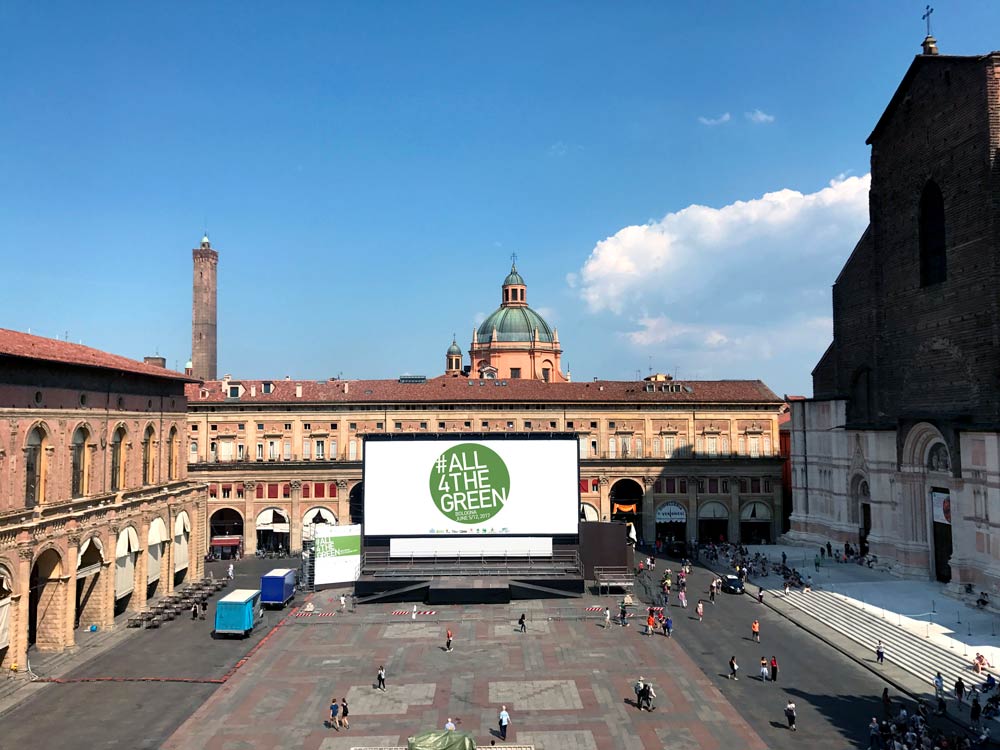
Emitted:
pixel 774 669
pixel 975 711
pixel 343 603
pixel 874 735
pixel 959 692
pixel 343 714
pixel 607 617
pixel 938 686
pixel 682 597
pixel 194 611
pixel 765 672
pixel 760 595
pixel 788 588
pixel 646 696
pixel 650 623
pixel 755 630
pixel 886 703
pixel 520 624
pixel 229 573
pixel 816 563
pixel 637 688
pixel 414 612
pixel 449 725
pixel 204 609
pixel 700 610
pixel 623 614
pixel 829 552
pixel 380 678
pixel 790 715
pixel 711 592
pixel 668 627
pixel 333 722
pixel 733 668
pixel 447 644
pixel 880 653
pixel 504 720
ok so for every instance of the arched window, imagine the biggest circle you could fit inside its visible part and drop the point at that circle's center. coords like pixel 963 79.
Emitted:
pixel 148 459
pixel 118 460
pixel 172 452
pixel 933 258
pixel 81 463
pixel 35 464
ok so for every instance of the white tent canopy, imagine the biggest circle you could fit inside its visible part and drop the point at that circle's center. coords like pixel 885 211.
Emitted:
pixel 6 588
pixel 755 512
pixel 157 539
pixel 126 554
pixel 157 531
pixel 91 541
pixel 272 519
pixel 182 535
pixel 128 542
pixel 713 510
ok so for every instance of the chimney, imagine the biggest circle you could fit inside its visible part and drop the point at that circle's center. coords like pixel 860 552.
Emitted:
pixel 253 391
pixel 930 45
pixel 346 386
pixel 298 390
pixel 156 361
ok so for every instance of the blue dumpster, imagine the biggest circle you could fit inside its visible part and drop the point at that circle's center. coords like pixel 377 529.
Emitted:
pixel 277 588
pixel 236 612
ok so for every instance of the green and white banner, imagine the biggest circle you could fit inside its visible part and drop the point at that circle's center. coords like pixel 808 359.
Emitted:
pixel 338 554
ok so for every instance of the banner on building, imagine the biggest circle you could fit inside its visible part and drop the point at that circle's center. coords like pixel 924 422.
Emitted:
pixel 338 554
pixel 942 507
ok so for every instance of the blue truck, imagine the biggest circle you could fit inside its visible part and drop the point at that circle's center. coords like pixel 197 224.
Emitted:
pixel 277 588
pixel 237 612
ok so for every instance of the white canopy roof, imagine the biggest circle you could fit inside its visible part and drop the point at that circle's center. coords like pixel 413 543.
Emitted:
pixel 96 541
pixel 182 524
pixel 128 541
pixel 240 595
pixel 755 512
pixel 157 532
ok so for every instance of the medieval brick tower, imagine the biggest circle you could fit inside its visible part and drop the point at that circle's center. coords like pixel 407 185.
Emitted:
pixel 204 341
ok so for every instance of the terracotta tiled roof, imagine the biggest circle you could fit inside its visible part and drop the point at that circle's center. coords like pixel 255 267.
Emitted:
pixel 447 389
pixel 26 346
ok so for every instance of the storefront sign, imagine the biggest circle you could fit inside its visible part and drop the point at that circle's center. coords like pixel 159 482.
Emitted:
pixel 671 513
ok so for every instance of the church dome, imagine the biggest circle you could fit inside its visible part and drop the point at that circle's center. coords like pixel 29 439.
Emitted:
pixel 514 324
pixel 454 350
pixel 513 277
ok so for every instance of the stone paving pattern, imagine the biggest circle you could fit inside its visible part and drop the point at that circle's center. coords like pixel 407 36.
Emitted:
pixel 567 684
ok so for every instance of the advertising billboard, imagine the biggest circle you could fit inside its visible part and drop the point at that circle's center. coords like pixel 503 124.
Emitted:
pixel 338 554
pixel 476 485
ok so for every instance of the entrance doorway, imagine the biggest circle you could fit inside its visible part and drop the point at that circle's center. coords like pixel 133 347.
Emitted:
pixel 755 523
pixel 941 507
pixel 713 522
pixel 272 531
pixel 44 622
pixel 671 523
pixel 866 527
pixel 626 503
pixel 88 580
pixel 226 530
pixel 356 503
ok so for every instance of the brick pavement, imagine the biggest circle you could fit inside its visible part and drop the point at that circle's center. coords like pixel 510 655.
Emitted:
pixel 567 684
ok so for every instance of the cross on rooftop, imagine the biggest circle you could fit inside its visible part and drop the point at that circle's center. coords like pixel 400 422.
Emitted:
pixel 927 17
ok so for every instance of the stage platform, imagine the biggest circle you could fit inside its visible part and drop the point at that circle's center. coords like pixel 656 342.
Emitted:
pixel 465 580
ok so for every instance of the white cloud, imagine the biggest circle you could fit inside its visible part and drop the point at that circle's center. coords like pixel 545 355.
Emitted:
pixel 730 289
pixel 759 118
pixel 710 121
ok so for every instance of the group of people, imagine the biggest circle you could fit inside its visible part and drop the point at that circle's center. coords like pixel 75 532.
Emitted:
pixel 900 729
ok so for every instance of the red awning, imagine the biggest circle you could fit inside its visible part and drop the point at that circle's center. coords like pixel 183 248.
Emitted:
pixel 227 541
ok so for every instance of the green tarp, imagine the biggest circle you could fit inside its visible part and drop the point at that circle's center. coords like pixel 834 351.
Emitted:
pixel 441 739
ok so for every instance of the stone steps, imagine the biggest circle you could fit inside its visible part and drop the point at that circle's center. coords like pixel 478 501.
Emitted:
pixel 919 656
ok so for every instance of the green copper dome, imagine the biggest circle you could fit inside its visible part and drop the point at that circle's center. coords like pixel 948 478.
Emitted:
pixel 514 324
pixel 454 349
pixel 513 277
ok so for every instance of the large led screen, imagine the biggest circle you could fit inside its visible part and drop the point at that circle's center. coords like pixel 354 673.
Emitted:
pixel 471 486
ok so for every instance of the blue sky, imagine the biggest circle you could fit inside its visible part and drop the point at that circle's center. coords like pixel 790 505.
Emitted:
pixel 365 171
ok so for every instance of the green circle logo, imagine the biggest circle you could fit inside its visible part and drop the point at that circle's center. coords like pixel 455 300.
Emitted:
pixel 469 483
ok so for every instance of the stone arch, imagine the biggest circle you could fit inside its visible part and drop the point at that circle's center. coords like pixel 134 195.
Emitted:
pixel 273 526
pixel 226 527
pixel 156 547
pixel 90 604
pixel 918 444
pixel 860 493
pixel 625 496
pixel 46 601
pixel 317 515
pixel 127 549
pixel 182 544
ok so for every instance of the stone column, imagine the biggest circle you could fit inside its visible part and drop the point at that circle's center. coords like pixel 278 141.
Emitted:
pixel 734 509
pixel 604 483
pixel 249 518
pixel 343 503
pixel 69 575
pixel 139 582
pixel 648 510
pixel 198 539
pixel 18 650
pixel 295 519
pixel 692 524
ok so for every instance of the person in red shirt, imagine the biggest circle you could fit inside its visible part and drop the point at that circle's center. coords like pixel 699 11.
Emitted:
pixel 774 669
pixel 447 645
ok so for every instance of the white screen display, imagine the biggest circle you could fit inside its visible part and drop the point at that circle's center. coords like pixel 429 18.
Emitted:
pixel 471 486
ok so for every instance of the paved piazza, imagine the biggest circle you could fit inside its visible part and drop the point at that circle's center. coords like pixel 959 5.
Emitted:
pixel 567 683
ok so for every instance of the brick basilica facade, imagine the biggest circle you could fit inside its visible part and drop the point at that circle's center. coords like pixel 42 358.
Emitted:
pixel 899 449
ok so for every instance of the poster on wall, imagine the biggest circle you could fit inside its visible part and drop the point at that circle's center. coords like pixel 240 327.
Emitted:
pixel 338 554
pixel 941 502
